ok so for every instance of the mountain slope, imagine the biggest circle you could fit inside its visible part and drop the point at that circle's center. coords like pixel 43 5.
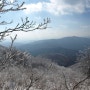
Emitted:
pixel 67 46
pixel 46 51
pixel 59 58
pixel 23 71
pixel 73 43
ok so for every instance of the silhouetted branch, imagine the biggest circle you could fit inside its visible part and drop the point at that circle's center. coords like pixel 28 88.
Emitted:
pixel 12 41
pixel 80 82
pixel 31 82
pixel 6 6
pixel 5 23
pixel 25 26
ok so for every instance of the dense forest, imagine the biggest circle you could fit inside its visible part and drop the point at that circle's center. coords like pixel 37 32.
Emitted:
pixel 58 64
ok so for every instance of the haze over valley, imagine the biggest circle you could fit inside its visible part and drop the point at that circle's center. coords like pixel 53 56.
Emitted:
pixel 63 51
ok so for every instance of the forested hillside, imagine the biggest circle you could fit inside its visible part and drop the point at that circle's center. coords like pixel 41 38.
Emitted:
pixel 47 64
pixel 23 71
pixel 65 48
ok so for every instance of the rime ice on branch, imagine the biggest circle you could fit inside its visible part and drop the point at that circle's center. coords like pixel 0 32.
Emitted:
pixel 26 25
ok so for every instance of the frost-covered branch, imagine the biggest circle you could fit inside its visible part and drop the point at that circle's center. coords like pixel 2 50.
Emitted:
pixel 25 26
pixel 6 6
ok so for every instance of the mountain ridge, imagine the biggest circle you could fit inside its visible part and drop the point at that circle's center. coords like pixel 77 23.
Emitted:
pixel 67 46
pixel 66 42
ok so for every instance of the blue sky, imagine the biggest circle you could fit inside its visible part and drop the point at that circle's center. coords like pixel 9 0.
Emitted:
pixel 68 18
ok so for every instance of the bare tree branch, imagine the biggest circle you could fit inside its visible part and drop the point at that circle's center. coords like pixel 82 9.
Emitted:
pixel 80 82
pixel 31 82
pixel 65 81
pixel 5 23
pixel 25 26
pixel 12 41
pixel 6 6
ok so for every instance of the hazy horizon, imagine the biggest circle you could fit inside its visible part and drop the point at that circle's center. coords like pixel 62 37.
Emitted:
pixel 8 42
pixel 68 18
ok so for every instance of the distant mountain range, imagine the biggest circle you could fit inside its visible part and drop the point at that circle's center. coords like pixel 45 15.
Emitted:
pixel 74 43
pixel 66 47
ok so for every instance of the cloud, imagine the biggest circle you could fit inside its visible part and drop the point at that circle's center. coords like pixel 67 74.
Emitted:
pixel 31 8
pixel 11 1
pixel 58 7
pixel 85 27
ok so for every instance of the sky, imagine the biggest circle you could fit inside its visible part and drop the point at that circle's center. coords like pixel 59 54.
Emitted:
pixel 68 18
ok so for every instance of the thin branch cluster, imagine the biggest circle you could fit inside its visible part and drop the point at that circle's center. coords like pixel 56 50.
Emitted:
pixel 26 25
pixel 6 6
pixel 84 58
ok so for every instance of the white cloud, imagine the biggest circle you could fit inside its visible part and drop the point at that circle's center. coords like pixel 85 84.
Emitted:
pixel 85 27
pixel 11 1
pixel 58 7
pixel 30 8
pixel 38 18
pixel 62 7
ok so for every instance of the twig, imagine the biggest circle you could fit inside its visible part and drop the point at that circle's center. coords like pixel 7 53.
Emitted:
pixel 65 81
pixel 80 82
